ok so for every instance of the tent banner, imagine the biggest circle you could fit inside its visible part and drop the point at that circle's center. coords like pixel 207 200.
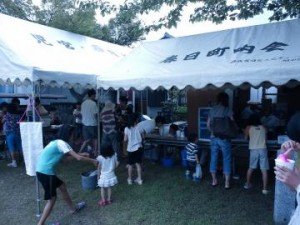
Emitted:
pixel 267 53
pixel 32 144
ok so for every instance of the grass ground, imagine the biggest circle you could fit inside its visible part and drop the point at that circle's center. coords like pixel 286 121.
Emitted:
pixel 164 198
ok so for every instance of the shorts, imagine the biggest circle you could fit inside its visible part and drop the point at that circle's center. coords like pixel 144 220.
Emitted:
pixel 89 132
pixel 259 156
pixel 50 183
pixel 191 166
pixel 13 141
pixel 135 157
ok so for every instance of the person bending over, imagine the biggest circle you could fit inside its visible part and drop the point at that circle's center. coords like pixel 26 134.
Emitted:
pixel 50 156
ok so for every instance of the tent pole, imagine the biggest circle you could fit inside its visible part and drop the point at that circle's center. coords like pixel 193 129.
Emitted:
pixel 37 184
pixel 98 123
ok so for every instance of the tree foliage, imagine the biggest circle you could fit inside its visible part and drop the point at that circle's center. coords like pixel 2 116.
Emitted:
pixel 18 8
pixel 215 11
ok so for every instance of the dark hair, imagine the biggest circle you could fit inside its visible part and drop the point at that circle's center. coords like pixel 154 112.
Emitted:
pixel 3 105
pixel 107 151
pixel 12 108
pixel 223 98
pixel 132 119
pixel 15 101
pixel 174 127
pixel 91 92
pixel 293 127
pixel 254 120
pixel 123 99
pixel 192 137
pixel 65 132
pixel 160 119
pixel 37 100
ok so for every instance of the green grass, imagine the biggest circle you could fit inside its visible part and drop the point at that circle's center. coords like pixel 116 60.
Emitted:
pixel 164 198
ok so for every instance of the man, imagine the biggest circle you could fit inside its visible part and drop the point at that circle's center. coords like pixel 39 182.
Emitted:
pixel 50 156
pixel 122 112
pixel 109 132
pixel 89 113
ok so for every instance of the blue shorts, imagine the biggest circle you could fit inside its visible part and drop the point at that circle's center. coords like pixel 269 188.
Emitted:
pixel 13 142
pixel 89 132
pixel 50 183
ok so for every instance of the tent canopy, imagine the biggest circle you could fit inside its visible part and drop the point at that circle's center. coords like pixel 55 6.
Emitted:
pixel 256 55
pixel 31 52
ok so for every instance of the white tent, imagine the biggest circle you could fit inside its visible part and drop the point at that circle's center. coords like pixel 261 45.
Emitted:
pixel 31 52
pixel 267 54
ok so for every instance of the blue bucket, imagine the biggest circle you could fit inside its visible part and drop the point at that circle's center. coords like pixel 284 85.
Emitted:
pixel 88 180
pixel 168 162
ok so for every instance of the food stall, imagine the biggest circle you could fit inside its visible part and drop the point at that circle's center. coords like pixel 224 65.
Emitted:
pixel 234 60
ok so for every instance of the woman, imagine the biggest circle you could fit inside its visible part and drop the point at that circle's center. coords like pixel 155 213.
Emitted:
pixel 216 143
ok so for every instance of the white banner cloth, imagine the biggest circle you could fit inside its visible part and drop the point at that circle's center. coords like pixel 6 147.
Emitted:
pixel 32 144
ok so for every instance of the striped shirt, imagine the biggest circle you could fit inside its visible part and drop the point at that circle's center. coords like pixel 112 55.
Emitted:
pixel 108 122
pixel 192 151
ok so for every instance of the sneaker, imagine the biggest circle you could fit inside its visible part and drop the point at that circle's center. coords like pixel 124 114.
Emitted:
pixel 265 192
pixel 138 181
pixel 188 177
pixel 79 206
pixel 247 186
pixel 129 181
pixel 12 164
pixel 196 179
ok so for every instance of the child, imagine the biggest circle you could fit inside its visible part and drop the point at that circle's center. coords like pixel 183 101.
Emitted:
pixel 258 150
pixel 193 157
pixel 133 136
pixel 50 156
pixel 107 178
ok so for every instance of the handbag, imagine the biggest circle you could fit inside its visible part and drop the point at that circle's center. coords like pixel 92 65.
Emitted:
pixel 224 128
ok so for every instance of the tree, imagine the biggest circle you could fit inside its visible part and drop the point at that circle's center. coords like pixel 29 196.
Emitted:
pixel 208 10
pixel 69 15
pixel 125 28
pixel 18 8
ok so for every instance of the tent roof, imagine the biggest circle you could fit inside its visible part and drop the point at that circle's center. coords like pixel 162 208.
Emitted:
pixel 31 52
pixel 256 55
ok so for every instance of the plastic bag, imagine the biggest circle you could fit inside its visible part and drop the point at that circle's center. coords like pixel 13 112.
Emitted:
pixel 198 172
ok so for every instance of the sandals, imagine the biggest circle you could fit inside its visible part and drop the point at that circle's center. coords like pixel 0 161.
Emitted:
pixel 103 203
pixel 108 202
